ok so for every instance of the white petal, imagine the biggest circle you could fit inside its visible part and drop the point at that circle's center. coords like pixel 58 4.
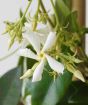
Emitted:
pixel 27 74
pixel 37 76
pixel 43 29
pixel 34 39
pixel 43 38
pixel 55 65
pixel 27 53
pixel 24 43
pixel 50 41
pixel 79 75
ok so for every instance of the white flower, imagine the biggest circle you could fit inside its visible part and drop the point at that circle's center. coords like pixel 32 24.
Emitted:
pixel 42 30
pixel 41 55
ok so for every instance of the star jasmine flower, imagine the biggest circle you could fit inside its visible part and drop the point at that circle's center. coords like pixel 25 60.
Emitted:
pixel 41 56
pixel 42 30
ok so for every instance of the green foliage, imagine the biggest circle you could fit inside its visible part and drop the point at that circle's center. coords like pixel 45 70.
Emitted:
pixel 47 91
pixel 24 19
pixel 66 16
pixel 57 89
pixel 10 87
pixel 62 10
pixel 72 19
pixel 77 94
pixel 60 5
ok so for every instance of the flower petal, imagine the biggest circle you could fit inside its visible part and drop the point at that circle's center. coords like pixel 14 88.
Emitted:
pixel 43 29
pixel 24 43
pixel 55 65
pixel 37 76
pixel 34 39
pixel 27 53
pixel 50 41
pixel 79 75
pixel 42 32
pixel 27 74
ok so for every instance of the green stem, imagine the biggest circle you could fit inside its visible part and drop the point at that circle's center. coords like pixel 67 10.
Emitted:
pixel 44 10
pixel 58 24
pixel 26 9
pixel 38 7
pixel 25 80
pixel 36 17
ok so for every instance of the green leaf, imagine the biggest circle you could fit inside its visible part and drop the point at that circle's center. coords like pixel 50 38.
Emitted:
pixel 63 8
pixel 80 94
pixel 68 3
pixel 57 89
pixel 39 89
pixel 10 87
pixel 47 91
pixel 72 19
pixel 21 14
pixel 76 95
pixel 66 16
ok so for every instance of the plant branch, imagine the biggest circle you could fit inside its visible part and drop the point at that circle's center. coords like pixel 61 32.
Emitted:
pixel 26 9
pixel 44 10
pixel 58 24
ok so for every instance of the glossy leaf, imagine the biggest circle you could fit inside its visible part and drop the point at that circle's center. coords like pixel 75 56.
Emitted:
pixel 57 89
pixel 62 10
pixel 77 94
pixel 66 16
pixel 39 89
pixel 72 19
pixel 63 7
pixel 10 87
pixel 47 91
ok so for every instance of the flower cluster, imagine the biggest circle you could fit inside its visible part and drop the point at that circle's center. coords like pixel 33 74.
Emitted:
pixel 52 44
pixel 51 53
pixel 43 53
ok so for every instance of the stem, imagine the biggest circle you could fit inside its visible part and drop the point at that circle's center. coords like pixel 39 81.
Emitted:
pixel 55 13
pixel 44 10
pixel 38 7
pixel 25 80
pixel 26 9
pixel 7 56
pixel 36 17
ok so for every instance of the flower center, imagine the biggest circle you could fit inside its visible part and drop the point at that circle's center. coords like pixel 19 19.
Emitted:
pixel 41 55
